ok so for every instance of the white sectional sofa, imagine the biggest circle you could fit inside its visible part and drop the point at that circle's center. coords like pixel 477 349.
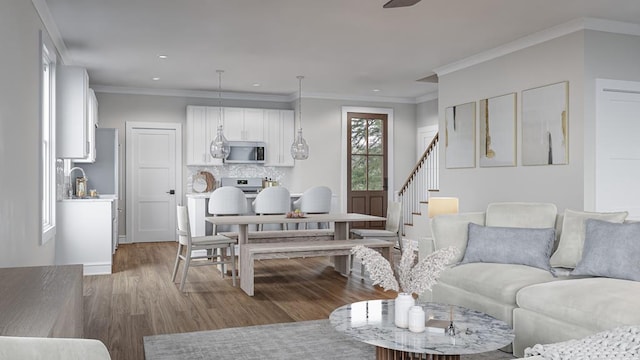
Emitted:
pixel 544 305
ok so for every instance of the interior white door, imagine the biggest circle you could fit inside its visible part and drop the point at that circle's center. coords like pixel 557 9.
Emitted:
pixel 153 182
pixel 425 136
pixel 617 147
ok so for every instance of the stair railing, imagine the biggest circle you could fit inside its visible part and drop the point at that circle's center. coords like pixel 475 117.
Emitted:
pixel 423 178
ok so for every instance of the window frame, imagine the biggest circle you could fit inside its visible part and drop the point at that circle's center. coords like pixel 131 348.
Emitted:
pixel 47 119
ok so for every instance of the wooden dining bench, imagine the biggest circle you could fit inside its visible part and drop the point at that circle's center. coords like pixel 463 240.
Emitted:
pixel 269 236
pixel 249 253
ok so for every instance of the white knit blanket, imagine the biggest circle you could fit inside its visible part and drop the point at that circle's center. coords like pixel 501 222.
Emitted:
pixel 620 343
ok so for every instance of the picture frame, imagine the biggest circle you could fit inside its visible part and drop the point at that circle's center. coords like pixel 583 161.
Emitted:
pixel 497 127
pixel 545 125
pixel 460 145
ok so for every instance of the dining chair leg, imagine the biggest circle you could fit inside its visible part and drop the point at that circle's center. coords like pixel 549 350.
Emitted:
pixel 187 260
pixel 175 267
pixel 233 264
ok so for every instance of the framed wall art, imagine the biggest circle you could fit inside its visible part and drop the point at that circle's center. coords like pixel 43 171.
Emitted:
pixel 460 145
pixel 545 118
pixel 498 131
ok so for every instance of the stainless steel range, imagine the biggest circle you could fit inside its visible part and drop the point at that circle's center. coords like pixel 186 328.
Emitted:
pixel 247 185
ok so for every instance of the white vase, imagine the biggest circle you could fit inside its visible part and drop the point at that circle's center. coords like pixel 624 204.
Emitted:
pixel 416 319
pixel 402 304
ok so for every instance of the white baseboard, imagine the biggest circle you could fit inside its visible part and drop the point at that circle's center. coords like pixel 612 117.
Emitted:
pixel 97 269
pixel 122 239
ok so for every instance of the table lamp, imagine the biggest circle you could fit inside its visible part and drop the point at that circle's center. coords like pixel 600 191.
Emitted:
pixel 442 205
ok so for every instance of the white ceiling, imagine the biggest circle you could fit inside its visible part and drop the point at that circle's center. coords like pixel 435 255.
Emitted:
pixel 342 47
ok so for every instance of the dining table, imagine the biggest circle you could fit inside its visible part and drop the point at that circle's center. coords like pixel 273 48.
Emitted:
pixel 340 223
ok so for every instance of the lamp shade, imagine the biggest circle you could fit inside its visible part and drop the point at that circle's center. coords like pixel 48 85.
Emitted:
pixel 442 205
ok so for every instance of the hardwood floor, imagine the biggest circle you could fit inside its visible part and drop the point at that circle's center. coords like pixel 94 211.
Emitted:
pixel 139 299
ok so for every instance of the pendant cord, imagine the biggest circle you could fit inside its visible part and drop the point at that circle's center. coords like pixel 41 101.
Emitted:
pixel 300 77
pixel 220 95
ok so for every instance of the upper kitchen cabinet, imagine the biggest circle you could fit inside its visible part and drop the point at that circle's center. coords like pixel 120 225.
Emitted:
pixel 244 124
pixel 202 124
pixel 73 118
pixel 279 135
pixel 91 128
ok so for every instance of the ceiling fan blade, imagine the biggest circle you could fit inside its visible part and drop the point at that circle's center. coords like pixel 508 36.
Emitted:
pixel 400 3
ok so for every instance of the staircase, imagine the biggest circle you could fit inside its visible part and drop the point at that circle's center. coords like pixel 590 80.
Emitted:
pixel 414 194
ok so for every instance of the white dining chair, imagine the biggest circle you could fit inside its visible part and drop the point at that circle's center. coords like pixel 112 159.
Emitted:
pixel 391 232
pixel 227 200
pixel 315 200
pixel 187 244
pixel 272 201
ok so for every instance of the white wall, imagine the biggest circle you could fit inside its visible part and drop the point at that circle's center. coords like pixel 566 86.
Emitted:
pixel 608 56
pixel 427 113
pixel 561 59
pixel 321 126
pixel 20 224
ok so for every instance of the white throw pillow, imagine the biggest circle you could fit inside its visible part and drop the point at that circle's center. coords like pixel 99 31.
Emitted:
pixel 522 215
pixel 571 243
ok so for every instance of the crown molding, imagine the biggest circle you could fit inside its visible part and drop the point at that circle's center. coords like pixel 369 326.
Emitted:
pixel 541 37
pixel 190 93
pixel 256 96
pixel 427 97
pixel 45 15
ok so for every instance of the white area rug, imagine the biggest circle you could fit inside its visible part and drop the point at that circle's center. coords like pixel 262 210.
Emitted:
pixel 297 340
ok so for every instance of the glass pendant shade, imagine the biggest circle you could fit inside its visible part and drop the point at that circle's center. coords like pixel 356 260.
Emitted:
pixel 219 146
pixel 299 148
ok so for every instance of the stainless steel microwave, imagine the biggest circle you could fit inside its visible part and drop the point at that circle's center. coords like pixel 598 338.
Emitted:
pixel 246 152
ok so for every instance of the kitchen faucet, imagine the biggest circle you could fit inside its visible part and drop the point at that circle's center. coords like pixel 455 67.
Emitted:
pixel 69 186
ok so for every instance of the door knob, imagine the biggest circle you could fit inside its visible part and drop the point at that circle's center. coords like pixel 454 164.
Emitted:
pixel 171 192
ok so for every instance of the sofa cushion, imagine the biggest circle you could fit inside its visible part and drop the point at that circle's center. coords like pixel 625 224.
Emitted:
pixel 592 303
pixel 569 250
pixel 527 215
pixel 506 245
pixel 452 230
pixel 610 250
pixel 500 282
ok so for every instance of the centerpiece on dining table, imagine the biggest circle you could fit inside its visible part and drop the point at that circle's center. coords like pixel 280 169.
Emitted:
pixel 410 276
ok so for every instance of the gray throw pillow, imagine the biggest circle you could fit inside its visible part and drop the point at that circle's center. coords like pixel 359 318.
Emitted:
pixel 507 245
pixel 610 250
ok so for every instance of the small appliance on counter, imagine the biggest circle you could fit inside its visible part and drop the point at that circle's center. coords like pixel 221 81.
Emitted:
pixel 247 185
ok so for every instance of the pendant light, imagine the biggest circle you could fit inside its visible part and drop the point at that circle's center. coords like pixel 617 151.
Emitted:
pixel 220 146
pixel 299 148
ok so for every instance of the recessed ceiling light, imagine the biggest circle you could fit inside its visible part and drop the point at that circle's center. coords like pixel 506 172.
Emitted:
pixel 375 90
pixel 162 56
pixel 256 84
pixel 155 79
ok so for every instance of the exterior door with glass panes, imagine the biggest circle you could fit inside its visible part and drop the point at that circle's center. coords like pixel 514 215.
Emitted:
pixel 367 167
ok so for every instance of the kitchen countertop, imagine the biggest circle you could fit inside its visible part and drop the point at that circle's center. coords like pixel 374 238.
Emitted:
pixel 206 195
pixel 106 197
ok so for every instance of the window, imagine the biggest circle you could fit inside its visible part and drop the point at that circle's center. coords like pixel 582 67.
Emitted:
pixel 48 164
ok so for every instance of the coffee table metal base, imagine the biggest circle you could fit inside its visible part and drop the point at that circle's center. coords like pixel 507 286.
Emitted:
pixel 390 354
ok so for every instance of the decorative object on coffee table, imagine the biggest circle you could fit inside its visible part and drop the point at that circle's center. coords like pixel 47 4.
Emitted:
pixel 408 278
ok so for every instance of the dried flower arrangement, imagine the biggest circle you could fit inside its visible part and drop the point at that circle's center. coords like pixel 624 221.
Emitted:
pixel 408 278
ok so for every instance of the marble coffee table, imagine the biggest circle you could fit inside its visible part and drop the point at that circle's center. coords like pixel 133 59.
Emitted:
pixel 372 322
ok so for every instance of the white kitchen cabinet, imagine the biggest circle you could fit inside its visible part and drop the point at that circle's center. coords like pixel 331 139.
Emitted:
pixel 202 124
pixel 85 234
pixel 279 134
pixel 244 124
pixel 92 119
pixel 72 112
